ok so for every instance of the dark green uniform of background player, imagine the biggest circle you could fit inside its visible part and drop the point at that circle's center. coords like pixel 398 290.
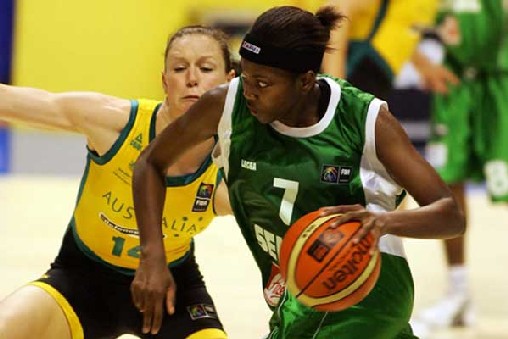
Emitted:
pixel 291 143
pixel 469 130
pixel 470 124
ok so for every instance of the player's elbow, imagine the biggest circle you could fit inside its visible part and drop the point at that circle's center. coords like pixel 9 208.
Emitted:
pixel 456 218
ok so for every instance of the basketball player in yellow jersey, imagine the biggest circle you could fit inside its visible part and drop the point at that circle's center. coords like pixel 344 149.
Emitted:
pixel 92 288
pixel 370 48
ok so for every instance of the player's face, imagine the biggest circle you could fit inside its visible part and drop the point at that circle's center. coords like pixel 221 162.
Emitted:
pixel 271 93
pixel 195 64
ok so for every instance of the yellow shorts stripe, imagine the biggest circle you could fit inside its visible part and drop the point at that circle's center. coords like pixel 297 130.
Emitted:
pixel 72 318
pixel 209 333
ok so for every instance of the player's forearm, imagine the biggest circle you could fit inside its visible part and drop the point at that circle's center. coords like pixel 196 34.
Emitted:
pixel 440 220
pixel 149 195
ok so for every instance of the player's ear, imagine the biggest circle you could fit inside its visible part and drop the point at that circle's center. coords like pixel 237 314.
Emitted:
pixel 231 75
pixel 307 81
pixel 164 80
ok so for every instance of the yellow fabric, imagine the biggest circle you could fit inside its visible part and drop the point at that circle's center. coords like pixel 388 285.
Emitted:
pixel 209 333
pixel 396 38
pixel 104 216
pixel 72 319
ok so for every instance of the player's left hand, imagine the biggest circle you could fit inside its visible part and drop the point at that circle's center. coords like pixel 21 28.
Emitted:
pixel 152 287
pixel 371 222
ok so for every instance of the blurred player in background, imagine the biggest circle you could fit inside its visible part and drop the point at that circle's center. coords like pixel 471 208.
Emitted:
pixel 371 46
pixel 87 291
pixel 469 131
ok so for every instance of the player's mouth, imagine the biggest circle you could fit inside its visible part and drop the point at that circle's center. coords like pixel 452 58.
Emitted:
pixel 251 108
pixel 191 97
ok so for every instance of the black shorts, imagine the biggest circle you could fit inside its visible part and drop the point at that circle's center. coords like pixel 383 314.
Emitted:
pixel 101 298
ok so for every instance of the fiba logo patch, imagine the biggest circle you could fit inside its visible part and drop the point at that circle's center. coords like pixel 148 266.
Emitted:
pixel 332 174
pixel 329 174
pixel 203 197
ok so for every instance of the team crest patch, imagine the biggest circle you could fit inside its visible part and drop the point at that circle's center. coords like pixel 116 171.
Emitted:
pixel 200 311
pixel 203 197
pixel 332 174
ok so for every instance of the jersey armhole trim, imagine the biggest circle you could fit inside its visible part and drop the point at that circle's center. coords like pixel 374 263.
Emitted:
pixel 103 159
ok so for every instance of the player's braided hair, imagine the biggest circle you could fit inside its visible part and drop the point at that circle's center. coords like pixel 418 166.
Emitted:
pixel 294 28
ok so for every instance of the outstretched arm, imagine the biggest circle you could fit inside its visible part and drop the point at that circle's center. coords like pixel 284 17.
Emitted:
pixel 96 115
pixel 153 281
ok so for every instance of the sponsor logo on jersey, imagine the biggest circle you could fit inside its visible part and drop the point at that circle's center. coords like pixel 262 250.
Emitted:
pixel 134 233
pixel 250 165
pixel 200 311
pixel 203 197
pixel 275 287
pixel 332 174
pixel 124 230
pixel 137 142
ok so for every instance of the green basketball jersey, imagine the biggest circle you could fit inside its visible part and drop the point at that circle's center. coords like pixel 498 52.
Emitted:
pixel 481 32
pixel 276 173
pixel 503 55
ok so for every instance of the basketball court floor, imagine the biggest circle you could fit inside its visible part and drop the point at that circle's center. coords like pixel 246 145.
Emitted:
pixel 34 212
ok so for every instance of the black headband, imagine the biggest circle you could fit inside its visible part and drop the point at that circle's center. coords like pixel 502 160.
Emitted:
pixel 291 60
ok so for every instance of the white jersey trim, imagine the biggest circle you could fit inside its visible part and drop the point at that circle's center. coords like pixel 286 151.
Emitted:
pixel 305 132
pixel 222 149
pixel 379 188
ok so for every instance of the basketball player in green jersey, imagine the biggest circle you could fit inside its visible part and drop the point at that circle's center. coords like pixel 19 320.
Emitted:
pixel 291 142
pixel 87 291
pixel 469 134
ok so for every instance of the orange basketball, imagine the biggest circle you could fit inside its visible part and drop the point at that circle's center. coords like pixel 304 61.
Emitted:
pixel 322 266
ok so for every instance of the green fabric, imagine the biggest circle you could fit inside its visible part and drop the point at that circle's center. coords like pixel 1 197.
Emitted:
pixel 383 314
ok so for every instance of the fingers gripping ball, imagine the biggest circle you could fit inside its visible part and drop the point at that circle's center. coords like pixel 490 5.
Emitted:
pixel 322 266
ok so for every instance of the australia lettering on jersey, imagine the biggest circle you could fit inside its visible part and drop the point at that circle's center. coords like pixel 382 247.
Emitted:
pixel 178 226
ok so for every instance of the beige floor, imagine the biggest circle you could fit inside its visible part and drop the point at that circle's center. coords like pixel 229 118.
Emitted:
pixel 34 213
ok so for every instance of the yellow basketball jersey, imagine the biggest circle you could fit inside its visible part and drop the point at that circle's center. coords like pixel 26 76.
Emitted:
pixel 390 28
pixel 103 221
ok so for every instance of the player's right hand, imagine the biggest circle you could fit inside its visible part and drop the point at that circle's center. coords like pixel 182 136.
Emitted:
pixel 152 287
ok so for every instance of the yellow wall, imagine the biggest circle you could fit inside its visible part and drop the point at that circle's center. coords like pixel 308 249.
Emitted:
pixel 110 46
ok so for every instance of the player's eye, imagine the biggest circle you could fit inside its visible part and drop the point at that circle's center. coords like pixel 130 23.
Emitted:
pixel 262 84
pixel 179 69
pixel 206 69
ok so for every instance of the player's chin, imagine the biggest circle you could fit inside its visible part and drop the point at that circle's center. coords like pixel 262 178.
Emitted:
pixel 187 103
pixel 262 118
